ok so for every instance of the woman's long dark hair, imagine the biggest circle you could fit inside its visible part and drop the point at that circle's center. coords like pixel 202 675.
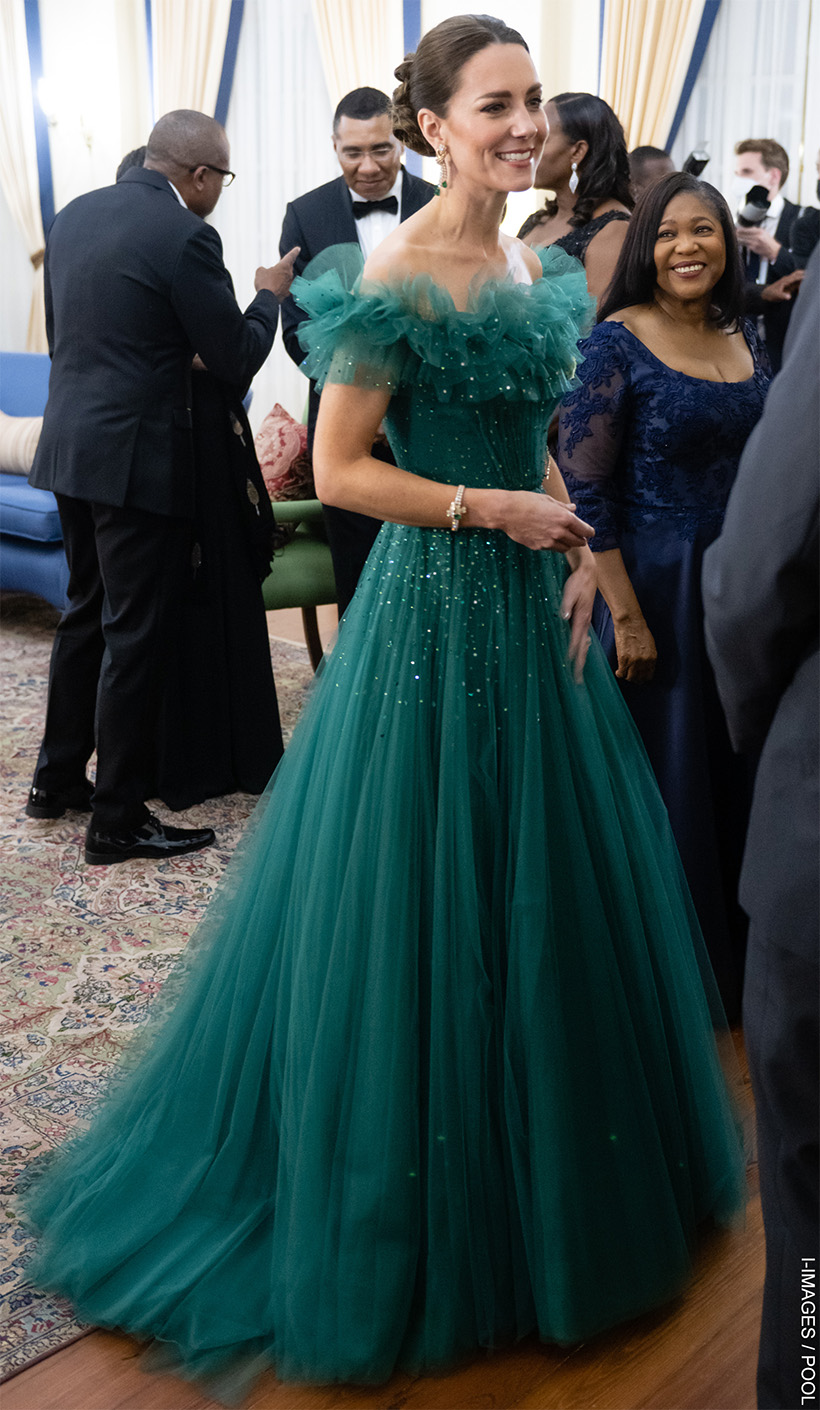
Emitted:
pixel 603 175
pixel 635 278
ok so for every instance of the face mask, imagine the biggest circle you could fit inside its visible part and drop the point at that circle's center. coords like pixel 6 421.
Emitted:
pixel 739 187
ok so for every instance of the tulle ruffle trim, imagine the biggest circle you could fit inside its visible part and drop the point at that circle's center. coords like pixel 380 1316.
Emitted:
pixel 518 341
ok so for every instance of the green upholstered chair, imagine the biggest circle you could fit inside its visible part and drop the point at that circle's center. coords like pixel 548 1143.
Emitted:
pixel 302 571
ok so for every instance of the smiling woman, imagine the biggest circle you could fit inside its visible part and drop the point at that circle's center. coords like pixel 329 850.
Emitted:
pixel 376 1131
pixel 673 382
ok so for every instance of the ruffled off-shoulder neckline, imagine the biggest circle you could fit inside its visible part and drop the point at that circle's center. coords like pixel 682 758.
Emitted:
pixel 517 340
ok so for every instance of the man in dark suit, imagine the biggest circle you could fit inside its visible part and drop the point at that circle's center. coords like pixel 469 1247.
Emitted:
pixel 761 594
pixel 766 247
pixel 134 286
pixel 362 206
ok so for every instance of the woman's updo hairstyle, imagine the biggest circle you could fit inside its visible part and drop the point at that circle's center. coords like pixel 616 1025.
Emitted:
pixel 430 77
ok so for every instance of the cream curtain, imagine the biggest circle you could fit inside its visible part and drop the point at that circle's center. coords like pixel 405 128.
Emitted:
pixel 361 42
pixel 758 79
pixel 646 52
pixel 18 156
pixel 279 124
pixel 189 49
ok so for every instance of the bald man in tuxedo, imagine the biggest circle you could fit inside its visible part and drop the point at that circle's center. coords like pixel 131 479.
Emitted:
pixel 134 285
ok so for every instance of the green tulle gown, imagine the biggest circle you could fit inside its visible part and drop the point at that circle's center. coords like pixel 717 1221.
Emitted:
pixel 441 1068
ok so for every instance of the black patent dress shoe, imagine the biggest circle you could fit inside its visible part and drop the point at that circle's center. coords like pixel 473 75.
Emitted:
pixel 150 839
pixel 47 803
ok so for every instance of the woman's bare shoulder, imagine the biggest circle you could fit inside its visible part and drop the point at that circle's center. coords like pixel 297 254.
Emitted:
pixel 381 265
pixel 521 259
pixel 403 252
pixel 637 318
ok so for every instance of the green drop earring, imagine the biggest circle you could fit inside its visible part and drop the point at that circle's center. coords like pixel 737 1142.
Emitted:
pixel 441 157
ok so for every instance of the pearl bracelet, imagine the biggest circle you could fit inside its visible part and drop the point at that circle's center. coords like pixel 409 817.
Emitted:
pixel 457 509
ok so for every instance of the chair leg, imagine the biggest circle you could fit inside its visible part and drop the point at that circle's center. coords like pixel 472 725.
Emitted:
pixel 312 638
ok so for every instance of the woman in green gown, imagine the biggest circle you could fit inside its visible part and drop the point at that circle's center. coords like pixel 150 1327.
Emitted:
pixel 442 1070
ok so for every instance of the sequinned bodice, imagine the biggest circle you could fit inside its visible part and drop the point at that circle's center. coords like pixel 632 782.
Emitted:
pixel 472 390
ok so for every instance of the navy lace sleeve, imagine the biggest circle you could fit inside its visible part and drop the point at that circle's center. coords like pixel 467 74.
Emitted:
pixel 757 347
pixel 641 444
pixel 591 430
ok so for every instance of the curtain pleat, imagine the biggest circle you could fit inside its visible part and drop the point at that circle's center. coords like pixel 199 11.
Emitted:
pixel 279 124
pixel 647 48
pixel 189 49
pixel 758 79
pixel 361 42
pixel 18 157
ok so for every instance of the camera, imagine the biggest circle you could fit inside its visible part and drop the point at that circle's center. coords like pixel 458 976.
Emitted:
pixel 695 162
pixel 755 207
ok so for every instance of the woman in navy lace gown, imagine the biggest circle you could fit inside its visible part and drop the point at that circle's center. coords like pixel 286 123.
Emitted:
pixel 672 383
pixel 585 164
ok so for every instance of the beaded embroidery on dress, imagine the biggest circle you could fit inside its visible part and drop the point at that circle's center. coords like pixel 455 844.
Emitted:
pixel 441 1071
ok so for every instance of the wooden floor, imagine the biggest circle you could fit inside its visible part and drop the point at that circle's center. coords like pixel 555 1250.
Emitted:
pixel 700 1354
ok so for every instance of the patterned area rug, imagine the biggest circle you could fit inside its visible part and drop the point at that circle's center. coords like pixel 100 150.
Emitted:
pixel 83 951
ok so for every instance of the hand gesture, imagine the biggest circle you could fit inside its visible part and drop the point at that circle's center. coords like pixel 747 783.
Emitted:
pixel 782 290
pixel 279 277
pixel 576 608
pixel 637 653
pixel 539 521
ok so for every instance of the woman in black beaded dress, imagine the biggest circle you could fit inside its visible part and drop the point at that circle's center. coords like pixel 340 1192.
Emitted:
pixel 585 165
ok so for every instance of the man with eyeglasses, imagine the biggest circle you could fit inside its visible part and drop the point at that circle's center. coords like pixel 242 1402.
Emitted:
pixel 135 285
pixel 362 206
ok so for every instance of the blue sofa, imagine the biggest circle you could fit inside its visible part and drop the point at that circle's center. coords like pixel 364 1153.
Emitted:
pixel 32 558
pixel 31 539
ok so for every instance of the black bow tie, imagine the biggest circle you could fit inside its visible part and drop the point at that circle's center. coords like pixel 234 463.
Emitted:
pixel 361 208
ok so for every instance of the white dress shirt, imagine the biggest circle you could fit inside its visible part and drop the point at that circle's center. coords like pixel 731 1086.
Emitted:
pixel 372 229
pixel 175 191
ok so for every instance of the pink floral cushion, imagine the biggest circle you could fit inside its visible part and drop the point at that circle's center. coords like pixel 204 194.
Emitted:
pixel 281 447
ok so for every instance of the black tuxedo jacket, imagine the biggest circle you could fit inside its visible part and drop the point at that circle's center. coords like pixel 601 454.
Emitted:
pixel 775 315
pixel 134 286
pixel 805 235
pixel 315 221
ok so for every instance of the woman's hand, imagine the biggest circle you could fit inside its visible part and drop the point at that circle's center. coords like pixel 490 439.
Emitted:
pixel 539 521
pixel 576 606
pixel 637 653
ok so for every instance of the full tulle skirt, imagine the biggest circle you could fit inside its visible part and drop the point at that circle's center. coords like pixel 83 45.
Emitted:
pixel 440 1068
